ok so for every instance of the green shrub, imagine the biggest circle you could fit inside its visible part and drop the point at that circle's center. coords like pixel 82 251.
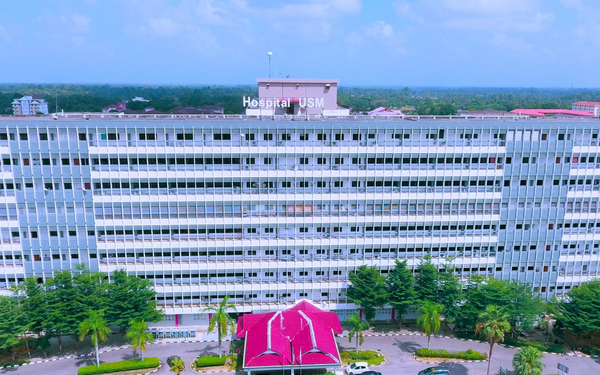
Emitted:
pixel 107 368
pixel 590 351
pixel 11 364
pixel 539 346
pixel 469 355
pixel 210 360
pixel 372 357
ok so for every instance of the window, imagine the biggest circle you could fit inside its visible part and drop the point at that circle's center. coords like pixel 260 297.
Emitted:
pixel 82 136
pixel 65 161
pixel 523 183
pixel 43 136
pixel 23 136
pixel 68 186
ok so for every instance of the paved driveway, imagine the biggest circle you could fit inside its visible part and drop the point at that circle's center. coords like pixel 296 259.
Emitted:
pixel 398 350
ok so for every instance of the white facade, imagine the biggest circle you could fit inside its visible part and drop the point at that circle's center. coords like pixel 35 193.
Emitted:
pixel 272 212
pixel 29 106
pixel 592 107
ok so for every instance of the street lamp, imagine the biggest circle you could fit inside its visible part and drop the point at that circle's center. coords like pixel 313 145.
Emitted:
pixel 269 54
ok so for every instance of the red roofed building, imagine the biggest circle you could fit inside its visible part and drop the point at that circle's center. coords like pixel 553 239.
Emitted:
pixel 299 337
pixel 593 107
pixel 543 112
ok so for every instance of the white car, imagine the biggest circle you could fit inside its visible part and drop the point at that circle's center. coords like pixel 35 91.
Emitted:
pixel 357 368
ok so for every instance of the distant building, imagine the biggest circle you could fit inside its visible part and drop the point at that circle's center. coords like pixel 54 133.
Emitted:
pixel 592 107
pixel 294 96
pixel 382 111
pixel 30 105
pixel 139 99
pixel 119 107
pixel 554 112
pixel 212 109
pixel 483 112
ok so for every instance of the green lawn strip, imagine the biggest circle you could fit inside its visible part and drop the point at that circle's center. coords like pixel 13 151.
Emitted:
pixel 230 361
pixel 107 368
pixel 469 355
pixel 559 349
pixel 372 357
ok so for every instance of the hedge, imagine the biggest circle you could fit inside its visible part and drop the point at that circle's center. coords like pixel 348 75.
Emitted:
pixel 539 346
pixel 590 351
pixel 107 368
pixel 372 357
pixel 469 355
pixel 210 360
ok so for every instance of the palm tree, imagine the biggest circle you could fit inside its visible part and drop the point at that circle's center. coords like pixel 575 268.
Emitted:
pixel 527 361
pixel 493 324
pixel 178 366
pixel 139 335
pixel 358 326
pixel 96 326
pixel 430 320
pixel 221 319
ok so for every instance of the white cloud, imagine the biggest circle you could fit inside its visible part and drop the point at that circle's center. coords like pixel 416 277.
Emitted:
pixel 4 34
pixel 482 15
pixel 380 29
pixel 76 23
pixel 161 27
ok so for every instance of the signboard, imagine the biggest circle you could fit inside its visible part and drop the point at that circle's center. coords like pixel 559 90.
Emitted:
pixel 563 368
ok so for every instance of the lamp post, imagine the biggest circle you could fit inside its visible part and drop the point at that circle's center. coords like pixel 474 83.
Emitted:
pixel 269 54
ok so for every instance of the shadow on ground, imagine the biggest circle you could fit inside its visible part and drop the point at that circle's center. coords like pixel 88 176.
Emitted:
pixel 407 346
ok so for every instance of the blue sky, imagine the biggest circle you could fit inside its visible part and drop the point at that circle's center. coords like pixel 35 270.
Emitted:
pixel 500 43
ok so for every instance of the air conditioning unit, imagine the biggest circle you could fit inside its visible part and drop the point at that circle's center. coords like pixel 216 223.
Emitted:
pixel 335 167
pixel 246 167
pixel 280 143
pixel 334 143
pixel 362 167
pixel 363 143
pixel 253 143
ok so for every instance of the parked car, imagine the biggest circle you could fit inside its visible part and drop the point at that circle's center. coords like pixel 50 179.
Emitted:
pixel 357 368
pixel 438 370
pixel 371 373
pixel 171 360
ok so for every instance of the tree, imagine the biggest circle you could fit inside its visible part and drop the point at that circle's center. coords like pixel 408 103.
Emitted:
pixel 578 312
pixel 357 327
pixel 139 336
pixel 522 305
pixel 62 317
pixel 449 293
pixel 221 319
pixel 131 298
pixel 426 281
pixel 493 324
pixel 527 361
pixel 430 320
pixel 367 290
pixel 11 324
pixel 95 325
pixel 31 296
pixel 178 366
pixel 400 289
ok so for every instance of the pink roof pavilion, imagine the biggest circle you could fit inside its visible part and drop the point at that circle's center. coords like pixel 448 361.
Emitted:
pixel 299 337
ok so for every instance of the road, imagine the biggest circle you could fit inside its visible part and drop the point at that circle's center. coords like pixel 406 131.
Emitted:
pixel 398 350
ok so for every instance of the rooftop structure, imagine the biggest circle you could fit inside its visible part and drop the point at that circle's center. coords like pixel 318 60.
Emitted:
pixel 295 97
pixel 301 337
pixel 29 105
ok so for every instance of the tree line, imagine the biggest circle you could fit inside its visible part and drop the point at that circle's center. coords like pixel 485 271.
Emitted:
pixel 74 303
pixel 434 291
pixel 423 101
